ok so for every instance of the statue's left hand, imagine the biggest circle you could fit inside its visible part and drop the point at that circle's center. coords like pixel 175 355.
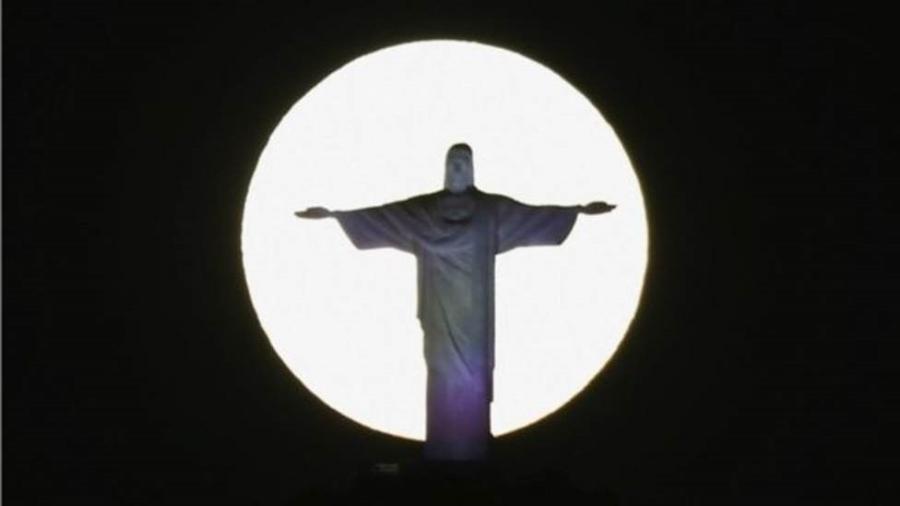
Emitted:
pixel 315 213
pixel 597 208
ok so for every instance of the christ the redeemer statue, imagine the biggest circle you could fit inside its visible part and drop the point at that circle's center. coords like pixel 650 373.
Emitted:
pixel 454 234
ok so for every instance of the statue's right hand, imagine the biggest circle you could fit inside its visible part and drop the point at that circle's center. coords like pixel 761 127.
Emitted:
pixel 314 212
pixel 597 208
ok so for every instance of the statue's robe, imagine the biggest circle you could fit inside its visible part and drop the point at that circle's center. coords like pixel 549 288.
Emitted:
pixel 454 238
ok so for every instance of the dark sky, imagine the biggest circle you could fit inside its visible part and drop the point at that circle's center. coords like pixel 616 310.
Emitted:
pixel 135 371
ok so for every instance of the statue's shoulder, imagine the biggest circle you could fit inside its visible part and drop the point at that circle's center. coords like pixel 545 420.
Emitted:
pixel 495 198
pixel 424 198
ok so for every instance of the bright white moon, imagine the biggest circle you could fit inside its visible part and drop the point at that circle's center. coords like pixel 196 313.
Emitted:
pixel 377 130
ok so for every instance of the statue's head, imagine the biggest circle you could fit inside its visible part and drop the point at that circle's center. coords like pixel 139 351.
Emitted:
pixel 459 174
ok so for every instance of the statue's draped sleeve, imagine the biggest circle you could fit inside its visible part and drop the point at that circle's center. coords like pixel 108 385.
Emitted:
pixel 386 226
pixel 521 224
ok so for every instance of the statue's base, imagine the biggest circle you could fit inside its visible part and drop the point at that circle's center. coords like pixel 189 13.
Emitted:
pixel 454 483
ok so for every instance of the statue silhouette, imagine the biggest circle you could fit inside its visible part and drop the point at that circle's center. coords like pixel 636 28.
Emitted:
pixel 455 234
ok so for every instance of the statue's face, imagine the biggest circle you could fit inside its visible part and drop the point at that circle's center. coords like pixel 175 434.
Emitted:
pixel 459 173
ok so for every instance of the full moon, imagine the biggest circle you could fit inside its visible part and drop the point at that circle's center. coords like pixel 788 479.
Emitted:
pixel 377 130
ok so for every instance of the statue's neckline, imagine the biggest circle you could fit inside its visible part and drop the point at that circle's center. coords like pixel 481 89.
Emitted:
pixel 457 207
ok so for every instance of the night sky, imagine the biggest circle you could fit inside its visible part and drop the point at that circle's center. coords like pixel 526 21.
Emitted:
pixel 756 370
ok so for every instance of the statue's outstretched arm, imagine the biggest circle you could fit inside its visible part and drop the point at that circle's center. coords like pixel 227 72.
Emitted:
pixel 595 208
pixel 387 225
pixel 315 213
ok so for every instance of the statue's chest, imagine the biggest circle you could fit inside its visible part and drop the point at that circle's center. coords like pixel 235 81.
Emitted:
pixel 463 222
pixel 456 210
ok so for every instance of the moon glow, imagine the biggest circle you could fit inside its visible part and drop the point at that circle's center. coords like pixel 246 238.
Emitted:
pixel 376 130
